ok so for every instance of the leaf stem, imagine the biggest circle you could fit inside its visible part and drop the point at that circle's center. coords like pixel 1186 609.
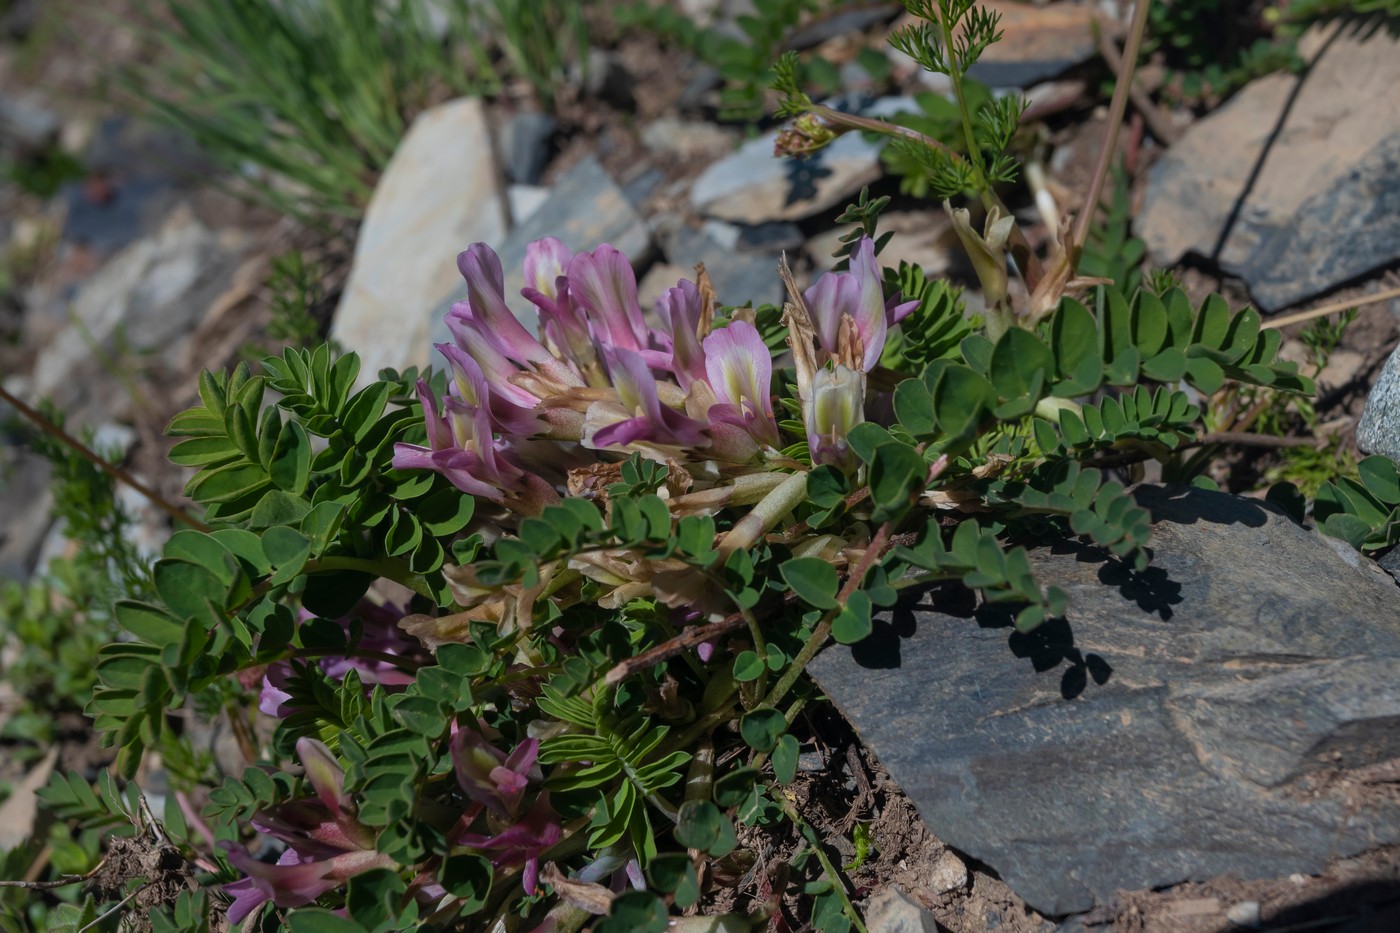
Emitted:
pixel 823 630
pixel 955 70
pixel 49 427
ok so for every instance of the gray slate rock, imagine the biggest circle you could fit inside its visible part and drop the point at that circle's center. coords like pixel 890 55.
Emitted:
pixel 1294 184
pixel 1179 725
pixel 525 146
pixel 1037 43
pixel 753 186
pixel 585 209
pixel 1378 432
pixel 26 503
pixel 739 275
pixel 148 298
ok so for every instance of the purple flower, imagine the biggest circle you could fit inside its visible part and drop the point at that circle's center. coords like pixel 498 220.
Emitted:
pixel 644 418
pixel 605 288
pixel 858 295
pixel 490 777
pixel 466 452
pixel 562 322
pixel 739 369
pixel 680 310
pixel 326 845
pixel 523 843
pixel 507 416
pixel 486 304
pixel 379 632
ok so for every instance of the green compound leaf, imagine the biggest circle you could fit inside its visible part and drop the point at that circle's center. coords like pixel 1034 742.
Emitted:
pixel 467 876
pixel 748 666
pixel 853 622
pixel 674 873
pixel 735 787
pixel 785 755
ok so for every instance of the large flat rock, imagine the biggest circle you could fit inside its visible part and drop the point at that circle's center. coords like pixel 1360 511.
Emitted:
pixel 1294 184
pixel 1193 720
pixel 441 192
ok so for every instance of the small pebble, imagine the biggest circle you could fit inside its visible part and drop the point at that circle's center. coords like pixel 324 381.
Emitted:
pixel 1245 914
pixel 949 874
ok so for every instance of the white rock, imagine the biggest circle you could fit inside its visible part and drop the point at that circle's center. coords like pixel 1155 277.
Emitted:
pixel 891 911
pixel 440 193
pixel 1245 914
pixel 949 874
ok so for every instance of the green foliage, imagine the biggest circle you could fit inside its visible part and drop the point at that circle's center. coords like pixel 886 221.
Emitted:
pixel 1111 251
pixel 42 173
pixel 865 215
pixel 1213 48
pixel 316 96
pixel 934 330
pixel 298 297
pixel 746 61
pixel 947 38
pixel 1364 512
pixel 55 624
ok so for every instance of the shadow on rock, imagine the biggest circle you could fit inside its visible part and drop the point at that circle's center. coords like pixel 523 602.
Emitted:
pixel 1364 907
pixel 1186 505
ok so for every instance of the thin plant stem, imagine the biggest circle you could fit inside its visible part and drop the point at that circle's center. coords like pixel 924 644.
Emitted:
pixel 823 630
pixel 1331 309
pixel 49 427
pixel 1116 108
pixel 974 151
pixel 760 648
pixel 789 808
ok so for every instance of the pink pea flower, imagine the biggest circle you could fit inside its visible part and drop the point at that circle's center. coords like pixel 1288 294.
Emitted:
pixel 523 843
pixel 646 418
pixel 326 844
pixel 837 406
pixel 679 310
pixel 507 416
pixel 562 322
pixel 462 446
pixel 739 368
pixel 490 777
pixel 486 304
pixel 604 286
pixel 857 294
pixel 379 632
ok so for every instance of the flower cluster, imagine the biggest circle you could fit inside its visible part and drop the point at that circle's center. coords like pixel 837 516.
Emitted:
pixel 599 377
pixel 325 844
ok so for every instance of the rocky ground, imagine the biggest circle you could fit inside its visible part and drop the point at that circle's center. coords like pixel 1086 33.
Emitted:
pixel 1269 807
